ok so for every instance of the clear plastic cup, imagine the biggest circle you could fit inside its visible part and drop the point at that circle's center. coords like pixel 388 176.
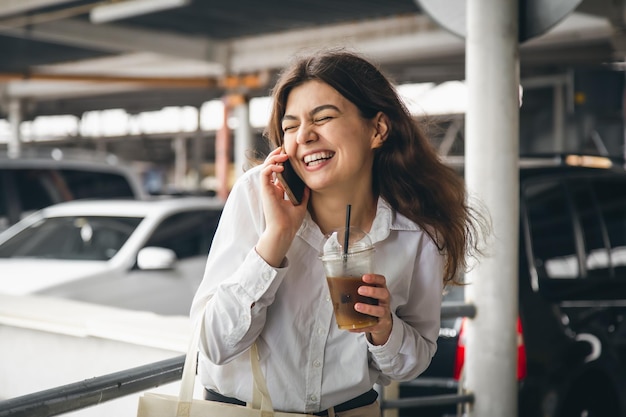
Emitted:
pixel 344 272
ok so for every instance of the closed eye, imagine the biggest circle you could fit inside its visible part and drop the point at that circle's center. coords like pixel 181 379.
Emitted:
pixel 322 119
pixel 289 127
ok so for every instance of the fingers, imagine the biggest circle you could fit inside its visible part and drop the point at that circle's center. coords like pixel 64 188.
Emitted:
pixel 376 288
pixel 379 310
pixel 276 156
pixel 271 167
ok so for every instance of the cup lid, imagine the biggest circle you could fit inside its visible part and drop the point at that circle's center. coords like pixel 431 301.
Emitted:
pixel 334 243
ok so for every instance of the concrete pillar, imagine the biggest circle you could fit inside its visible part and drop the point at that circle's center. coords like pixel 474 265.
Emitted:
pixel 14 147
pixel 197 157
pixel 244 144
pixel 180 161
pixel 101 145
pixel 558 106
pixel 492 147
pixel 194 180
pixel 222 155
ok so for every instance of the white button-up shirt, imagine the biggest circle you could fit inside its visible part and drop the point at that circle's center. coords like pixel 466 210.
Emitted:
pixel 308 362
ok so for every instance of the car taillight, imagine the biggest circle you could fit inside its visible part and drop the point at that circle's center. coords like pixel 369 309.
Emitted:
pixel 521 352
pixel 459 360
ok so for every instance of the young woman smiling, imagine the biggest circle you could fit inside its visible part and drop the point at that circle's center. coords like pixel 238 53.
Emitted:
pixel 347 134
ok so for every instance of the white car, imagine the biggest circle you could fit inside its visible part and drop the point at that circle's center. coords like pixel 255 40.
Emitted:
pixel 140 255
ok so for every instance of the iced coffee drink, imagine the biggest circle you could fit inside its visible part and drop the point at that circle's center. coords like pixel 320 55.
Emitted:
pixel 346 258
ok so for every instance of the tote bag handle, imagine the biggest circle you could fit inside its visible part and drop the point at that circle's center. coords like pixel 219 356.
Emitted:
pixel 260 395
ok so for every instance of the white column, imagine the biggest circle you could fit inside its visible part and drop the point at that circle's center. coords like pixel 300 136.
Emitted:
pixel 491 154
pixel 244 145
pixel 180 161
pixel 14 146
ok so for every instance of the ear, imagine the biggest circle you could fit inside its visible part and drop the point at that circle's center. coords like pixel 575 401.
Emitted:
pixel 381 130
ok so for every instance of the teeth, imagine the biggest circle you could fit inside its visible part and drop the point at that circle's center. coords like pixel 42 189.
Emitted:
pixel 317 158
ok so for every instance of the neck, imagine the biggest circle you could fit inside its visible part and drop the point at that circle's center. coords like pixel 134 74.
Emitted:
pixel 329 211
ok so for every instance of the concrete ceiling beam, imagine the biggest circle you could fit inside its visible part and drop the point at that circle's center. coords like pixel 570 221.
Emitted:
pixel 398 39
pixel 386 40
pixel 615 12
pixel 11 7
pixel 54 90
pixel 391 41
pixel 120 39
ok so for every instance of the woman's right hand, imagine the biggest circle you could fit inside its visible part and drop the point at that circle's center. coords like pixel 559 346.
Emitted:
pixel 282 218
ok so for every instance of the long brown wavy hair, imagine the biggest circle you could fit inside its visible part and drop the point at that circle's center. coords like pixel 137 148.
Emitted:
pixel 408 172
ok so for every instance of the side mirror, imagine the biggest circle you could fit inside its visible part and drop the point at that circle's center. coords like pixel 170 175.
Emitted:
pixel 152 257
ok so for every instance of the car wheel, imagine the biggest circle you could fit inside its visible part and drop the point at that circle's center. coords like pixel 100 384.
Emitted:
pixel 592 395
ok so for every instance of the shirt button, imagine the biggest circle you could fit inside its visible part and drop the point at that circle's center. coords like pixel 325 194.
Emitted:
pixel 317 363
pixel 313 397
pixel 320 330
pixel 265 275
pixel 259 287
pixel 327 298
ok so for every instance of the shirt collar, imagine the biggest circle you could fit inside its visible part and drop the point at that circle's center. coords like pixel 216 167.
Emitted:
pixel 386 219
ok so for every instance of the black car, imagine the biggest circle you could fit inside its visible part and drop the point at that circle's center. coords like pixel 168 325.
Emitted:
pixel 572 294
pixel 41 177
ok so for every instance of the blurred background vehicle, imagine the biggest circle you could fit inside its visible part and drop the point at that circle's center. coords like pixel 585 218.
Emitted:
pixel 41 177
pixel 139 255
pixel 572 287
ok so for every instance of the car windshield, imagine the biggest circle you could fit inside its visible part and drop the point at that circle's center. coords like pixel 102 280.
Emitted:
pixel 74 237
pixel 577 227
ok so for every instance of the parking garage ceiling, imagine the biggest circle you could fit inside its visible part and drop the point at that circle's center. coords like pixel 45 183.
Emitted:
pixel 57 60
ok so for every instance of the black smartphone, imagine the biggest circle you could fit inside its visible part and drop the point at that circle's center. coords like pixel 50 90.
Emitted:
pixel 292 183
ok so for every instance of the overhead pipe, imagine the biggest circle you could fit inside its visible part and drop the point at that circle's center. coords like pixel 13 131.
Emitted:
pixel 228 82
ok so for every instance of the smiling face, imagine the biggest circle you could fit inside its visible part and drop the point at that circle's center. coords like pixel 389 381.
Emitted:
pixel 328 141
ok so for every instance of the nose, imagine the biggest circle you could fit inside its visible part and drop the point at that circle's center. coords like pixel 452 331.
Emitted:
pixel 306 134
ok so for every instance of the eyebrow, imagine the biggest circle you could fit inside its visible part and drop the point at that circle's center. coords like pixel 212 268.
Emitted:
pixel 314 111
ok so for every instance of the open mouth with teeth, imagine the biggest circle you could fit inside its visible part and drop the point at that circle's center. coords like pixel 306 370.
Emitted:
pixel 317 158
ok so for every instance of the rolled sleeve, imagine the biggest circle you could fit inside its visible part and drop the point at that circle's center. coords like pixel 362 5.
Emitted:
pixel 384 355
pixel 413 339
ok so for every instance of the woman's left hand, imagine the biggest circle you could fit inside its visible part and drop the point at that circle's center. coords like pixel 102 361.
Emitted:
pixel 376 287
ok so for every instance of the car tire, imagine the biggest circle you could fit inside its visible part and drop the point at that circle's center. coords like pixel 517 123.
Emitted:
pixel 592 394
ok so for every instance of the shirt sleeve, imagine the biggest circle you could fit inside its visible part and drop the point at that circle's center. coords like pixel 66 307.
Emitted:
pixel 238 285
pixel 413 339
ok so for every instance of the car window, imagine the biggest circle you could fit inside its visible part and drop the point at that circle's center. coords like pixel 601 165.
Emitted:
pixel 88 184
pixel 595 243
pixel 187 233
pixel 577 227
pixel 551 229
pixel 76 238
pixel 612 201
pixel 24 190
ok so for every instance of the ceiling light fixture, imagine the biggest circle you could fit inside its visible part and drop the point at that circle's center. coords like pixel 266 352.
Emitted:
pixel 130 8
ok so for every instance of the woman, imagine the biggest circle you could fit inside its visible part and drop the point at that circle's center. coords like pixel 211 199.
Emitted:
pixel 347 134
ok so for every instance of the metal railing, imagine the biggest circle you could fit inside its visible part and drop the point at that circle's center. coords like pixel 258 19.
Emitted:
pixel 90 392
pixel 449 310
pixel 94 391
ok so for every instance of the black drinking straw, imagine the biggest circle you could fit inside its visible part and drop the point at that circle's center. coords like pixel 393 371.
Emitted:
pixel 346 236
